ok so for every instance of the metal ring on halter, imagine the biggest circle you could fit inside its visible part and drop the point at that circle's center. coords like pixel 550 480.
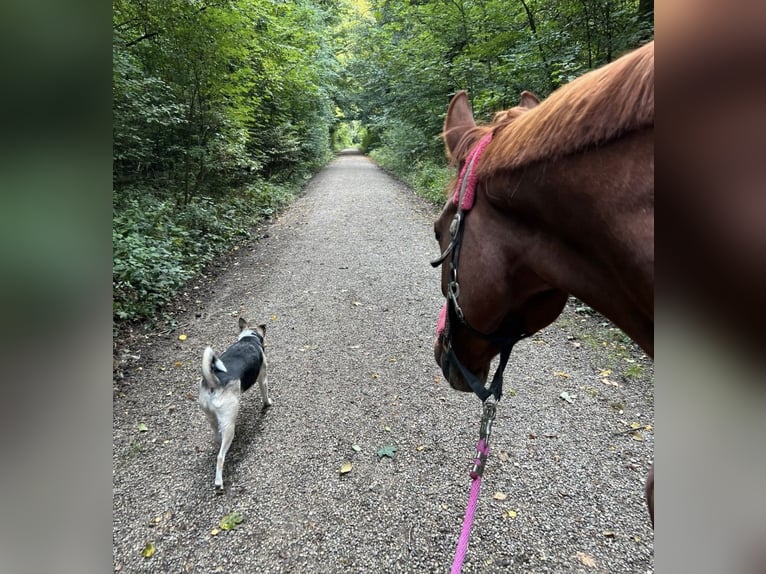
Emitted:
pixel 454 228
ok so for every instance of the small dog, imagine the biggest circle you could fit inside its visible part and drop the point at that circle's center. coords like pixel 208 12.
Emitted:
pixel 224 379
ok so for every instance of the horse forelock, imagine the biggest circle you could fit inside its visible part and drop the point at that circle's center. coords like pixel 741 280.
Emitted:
pixel 593 109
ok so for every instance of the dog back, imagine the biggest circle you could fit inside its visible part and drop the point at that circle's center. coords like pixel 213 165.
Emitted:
pixel 243 361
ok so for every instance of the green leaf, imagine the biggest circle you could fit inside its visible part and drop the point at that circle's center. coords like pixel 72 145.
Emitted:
pixel 149 549
pixel 231 520
pixel 142 427
pixel 356 447
pixel 389 450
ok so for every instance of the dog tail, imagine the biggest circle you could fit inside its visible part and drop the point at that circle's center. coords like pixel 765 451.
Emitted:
pixel 210 364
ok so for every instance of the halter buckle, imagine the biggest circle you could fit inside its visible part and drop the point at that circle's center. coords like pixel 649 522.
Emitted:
pixel 487 418
pixel 454 225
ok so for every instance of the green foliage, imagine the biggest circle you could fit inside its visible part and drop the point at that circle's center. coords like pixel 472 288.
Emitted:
pixel 407 58
pixel 220 112
pixel 158 247
pixel 430 180
pixel 348 134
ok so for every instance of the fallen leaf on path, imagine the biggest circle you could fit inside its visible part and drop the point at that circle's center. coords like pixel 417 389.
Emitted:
pixel 149 549
pixel 504 456
pixel 586 560
pixel 420 447
pixel 511 514
pixel 181 337
pixel 500 496
pixel 561 374
pixel 142 427
pixel 605 372
pixel 356 447
pixel 345 468
pixel 167 515
pixel 610 382
pixel 566 397
pixel 214 532
pixel 231 520
pixel 389 450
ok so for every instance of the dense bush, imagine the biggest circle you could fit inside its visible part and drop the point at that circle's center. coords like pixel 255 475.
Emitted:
pixel 158 246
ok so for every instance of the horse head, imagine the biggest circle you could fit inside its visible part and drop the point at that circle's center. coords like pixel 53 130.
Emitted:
pixel 494 298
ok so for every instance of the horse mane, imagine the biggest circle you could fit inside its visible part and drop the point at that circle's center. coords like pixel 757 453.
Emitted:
pixel 593 109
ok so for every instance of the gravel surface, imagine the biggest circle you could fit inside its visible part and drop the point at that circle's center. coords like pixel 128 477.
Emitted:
pixel 342 281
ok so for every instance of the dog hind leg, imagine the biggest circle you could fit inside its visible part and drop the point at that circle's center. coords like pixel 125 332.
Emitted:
pixel 263 383
pixel 227 435
pixel 227 419
pixel 213 420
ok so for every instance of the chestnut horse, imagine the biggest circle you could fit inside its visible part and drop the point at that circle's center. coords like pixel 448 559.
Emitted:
pixel 552 198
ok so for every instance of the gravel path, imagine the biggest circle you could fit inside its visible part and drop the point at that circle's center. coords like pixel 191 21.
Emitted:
pixel 342 280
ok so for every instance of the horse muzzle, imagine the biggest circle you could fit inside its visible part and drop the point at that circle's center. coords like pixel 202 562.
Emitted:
pixel 451 371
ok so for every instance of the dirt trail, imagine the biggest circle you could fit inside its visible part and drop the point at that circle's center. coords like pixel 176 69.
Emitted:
pixel 342 280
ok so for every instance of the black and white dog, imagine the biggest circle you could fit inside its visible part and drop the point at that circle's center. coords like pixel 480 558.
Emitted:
pixel 224 379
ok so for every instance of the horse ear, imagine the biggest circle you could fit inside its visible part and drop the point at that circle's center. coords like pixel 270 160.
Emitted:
pixel 458 121
pixel 528 100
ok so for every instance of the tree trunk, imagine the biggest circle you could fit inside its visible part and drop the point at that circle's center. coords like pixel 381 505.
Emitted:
pixel 646 11
pixel 533 28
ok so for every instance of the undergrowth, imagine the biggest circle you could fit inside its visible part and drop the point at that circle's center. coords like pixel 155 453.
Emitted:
pixel 158 245
pixel 429 179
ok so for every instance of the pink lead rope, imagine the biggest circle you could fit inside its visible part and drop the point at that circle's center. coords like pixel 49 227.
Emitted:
pixel 477 471
pixel 465 195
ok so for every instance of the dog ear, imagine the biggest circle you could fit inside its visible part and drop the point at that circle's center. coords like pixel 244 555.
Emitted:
pixel 262 329
pixel 242 324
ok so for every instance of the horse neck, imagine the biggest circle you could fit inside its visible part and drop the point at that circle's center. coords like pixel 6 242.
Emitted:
pixel 587 222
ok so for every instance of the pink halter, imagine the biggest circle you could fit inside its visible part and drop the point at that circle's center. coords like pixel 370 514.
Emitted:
pixel 466 187
pixel 470 168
